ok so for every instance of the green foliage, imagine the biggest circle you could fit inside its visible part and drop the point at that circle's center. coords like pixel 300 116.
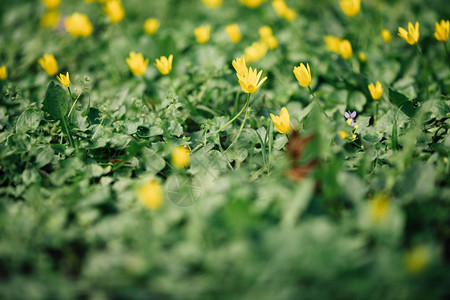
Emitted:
pixel 365 217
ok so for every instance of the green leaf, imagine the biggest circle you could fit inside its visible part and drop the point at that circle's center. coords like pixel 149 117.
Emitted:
pixel 402 102
pixel 56 104
pixel 29 120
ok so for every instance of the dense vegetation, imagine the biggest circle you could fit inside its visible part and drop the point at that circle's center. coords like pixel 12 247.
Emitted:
pixel 344 196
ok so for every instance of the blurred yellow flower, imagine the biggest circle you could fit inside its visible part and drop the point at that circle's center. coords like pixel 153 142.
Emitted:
pixel 280 7
pixel 266 35
pixel 78 25
pixel 114 10
pixel 417 259
pixel 51 4
pixel 290 14
pixel 151 26
pixel 252 3
pixel 202 34
pixel 64 79
pixel 49 64
pixel 3 73
pixel 332 43
pixel 151 195
pixel 376 90
pixel 303 74
pixel 283 10
pixel 350 7
pixel 386 35
pixel 180 157
pixel 50 18
pixel 281 122
pixel 362 56
pixel 233 32
pixel 345 48
pixel 255 51
pixel 442 30
pixel 265 32
pixel 164 65
pixel 249 79
pixel 136 63
pixel 412 35
pixel 343 134
pixel 271 42
pixel 213 3
pixel 379 208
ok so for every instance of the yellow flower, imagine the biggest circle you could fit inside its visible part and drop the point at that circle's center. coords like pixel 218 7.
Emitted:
pixel 151 194
pixel 136 63
pixel 417 259
pixel 350 7
pixel 202 34
pixel 412 35
pixel 386 35
pixel 376 90
pixel 290 14
pixel 49 64
pixel 50 18
pixel 64 79
pixel 180 157
pixel 332 43
pixel 249 79
pixel 78 25
pixel 266 35
pixel 212 3
pixel 151 26
pixel 3 73
pixel 283 10
pixel 164 65
pixel 271 42
pixel 442 30
pixel 280 7
pixel 343 134
pixel 255 52
pixel 345 48
pixel 51 4
pixel 303 74
pixel 379 208
pixel 362 56
pixel 265 32
pixel 252 3
pixel 233 32
pixel 281 122
pixel 239 65
pixel 114 10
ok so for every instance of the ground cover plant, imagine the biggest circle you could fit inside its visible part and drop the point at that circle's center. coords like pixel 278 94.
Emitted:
pixel 236 149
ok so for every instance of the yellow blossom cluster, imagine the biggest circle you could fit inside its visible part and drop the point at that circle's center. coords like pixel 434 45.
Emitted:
pixel 138 65
pixel 51 16
pixel 213 3
pixel 283 10
pixel 267 37
pixel 252 3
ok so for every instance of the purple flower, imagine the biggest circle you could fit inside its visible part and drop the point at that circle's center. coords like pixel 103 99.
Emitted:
pixel 350 118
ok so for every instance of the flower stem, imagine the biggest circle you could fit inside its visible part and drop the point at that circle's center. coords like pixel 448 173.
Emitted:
pixel 235 117
pixel 311 92
pixel 425 66
pixel 240 129
pixel 375 118
pixel 70 95
pixel 446 52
